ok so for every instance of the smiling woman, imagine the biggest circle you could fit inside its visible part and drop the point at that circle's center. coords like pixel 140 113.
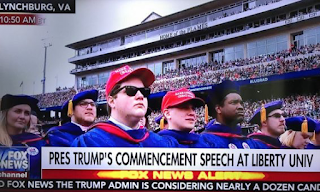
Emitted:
pixel 15 116
pixel 14 120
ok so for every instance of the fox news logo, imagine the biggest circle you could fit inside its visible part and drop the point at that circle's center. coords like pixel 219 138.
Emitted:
pixel 13 159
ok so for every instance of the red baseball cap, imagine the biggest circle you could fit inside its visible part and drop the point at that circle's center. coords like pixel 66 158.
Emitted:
pixel 118 75
pixel 173 98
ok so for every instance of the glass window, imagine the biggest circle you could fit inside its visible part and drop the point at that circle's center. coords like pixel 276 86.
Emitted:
pixel 309 32
pixel 166 29
pixel 261 43
pixel 229 50
pixel 271 40
pixel 158 69
pixel 229 56
pixel 281 38
pixel 103 78
pixel 193 61
pixel 82 82
pixel 128 39
pixel 95 48
pixel 153 33
pixel 251 53
pixel 311 40
pixel 239 48
pixel 252 45
pixel 271 48
pixel 139 37
pixel 151 67
pixel 79 82
pixel 92 80
pixel 182 25
pixel 168 65
pixel 218 56
pixel 233 53
pixel 214 16
pixel 282 46
pixel 261 50
pixel 252 5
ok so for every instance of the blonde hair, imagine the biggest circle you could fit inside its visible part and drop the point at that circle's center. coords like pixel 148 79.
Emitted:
pixel 5 139
pixel 287 138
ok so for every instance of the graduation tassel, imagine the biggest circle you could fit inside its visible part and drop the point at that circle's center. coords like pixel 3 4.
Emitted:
pixel 206 116
pixel 70 108
pixel 162 123
pixel 263 114
pixel 314 136
pixel 59 123
pixel 304 126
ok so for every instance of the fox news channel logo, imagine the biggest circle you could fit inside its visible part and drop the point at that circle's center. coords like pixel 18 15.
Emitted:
pixel 14 162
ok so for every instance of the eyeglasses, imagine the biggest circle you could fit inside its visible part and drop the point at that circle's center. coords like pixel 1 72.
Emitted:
pixel 278 115
pixel 132 91
pixel 86 104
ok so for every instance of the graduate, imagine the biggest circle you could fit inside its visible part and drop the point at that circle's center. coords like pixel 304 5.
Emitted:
pixel 315 141
pixel 300 130
pixel 127 92
pixel 178 108
pixel 15 119
pixel 162 122
pixel 81 112
pixel 271 121
pixel 226 107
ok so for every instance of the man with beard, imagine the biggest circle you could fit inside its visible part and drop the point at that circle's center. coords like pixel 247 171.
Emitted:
pixel 226 106
pixel 126 93
pixel 271 121
pixel 81 112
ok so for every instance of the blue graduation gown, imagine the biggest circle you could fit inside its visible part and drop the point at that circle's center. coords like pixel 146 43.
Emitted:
pixel 185 138
pixel 108 134
pixel 31 140
pixel 221 136
pixel 265 141
pixel 63 135
pixel 312 146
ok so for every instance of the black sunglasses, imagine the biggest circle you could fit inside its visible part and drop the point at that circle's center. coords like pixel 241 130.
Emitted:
pixel 278 115
pixel 132 91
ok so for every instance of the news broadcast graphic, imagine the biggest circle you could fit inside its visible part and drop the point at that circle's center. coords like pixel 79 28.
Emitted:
pixel 55 49
pixel 285 160
pixel 38 6
pixel 176 169
pixel 167 185
pixel 21 19
pixel 15 162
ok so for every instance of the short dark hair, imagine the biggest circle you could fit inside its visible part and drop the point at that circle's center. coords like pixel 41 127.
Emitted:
pixel 117 86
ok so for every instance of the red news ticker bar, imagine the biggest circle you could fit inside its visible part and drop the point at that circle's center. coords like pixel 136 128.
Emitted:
pixel 183 175
pixel 21 19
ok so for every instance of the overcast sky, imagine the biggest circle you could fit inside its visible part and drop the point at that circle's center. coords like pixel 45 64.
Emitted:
pixel 22 47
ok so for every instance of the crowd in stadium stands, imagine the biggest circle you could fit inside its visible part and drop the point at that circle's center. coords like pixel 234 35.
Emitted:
pixel 295 59
pixel 61 89
pixel 55 98
pixel 188 41
pixel 284 62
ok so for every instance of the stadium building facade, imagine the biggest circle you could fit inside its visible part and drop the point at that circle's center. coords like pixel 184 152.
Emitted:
pixel 212 33
pixel 271 48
